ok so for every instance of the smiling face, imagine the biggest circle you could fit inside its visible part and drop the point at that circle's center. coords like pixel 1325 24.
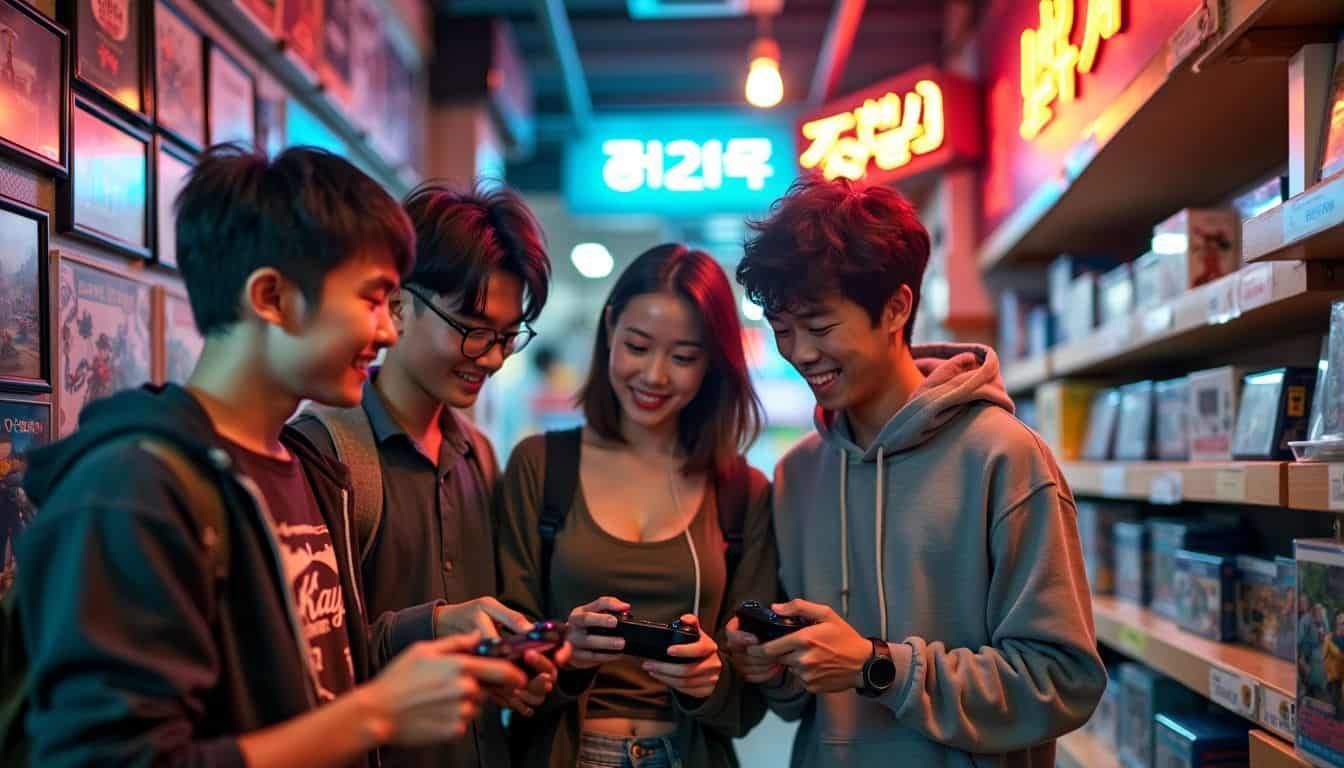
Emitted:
pixel 430 349
pixel 846 359
pixel 657 360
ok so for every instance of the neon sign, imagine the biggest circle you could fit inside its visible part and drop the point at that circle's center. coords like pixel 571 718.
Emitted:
pixel 888 131
pixel 900 127
pixel 680 163
pixel 1051 63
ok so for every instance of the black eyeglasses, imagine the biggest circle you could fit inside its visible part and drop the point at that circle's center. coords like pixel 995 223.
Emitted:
pixel 477 342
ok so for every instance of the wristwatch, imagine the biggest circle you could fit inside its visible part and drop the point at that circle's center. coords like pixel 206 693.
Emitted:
pixel 879 671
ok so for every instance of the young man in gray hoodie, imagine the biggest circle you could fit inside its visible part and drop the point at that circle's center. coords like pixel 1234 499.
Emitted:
pixel 925 530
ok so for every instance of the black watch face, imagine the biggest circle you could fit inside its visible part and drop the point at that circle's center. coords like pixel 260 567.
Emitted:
pixel 881 673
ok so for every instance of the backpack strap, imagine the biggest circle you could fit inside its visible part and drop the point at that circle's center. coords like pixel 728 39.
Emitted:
pixel 560 483
pixel 731 497
pixel 205 503
pixel 356 448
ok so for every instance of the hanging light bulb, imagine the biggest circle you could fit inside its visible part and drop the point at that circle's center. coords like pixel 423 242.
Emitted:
pixel 765 88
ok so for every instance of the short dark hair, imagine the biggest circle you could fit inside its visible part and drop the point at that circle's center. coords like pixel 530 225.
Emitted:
pixel 305 212
pixel 863 241
pixel 462 236
pixel 725 416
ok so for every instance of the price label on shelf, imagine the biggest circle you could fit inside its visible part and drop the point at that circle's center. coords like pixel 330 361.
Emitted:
pixel 1132 641
pixel 1166 488
pixel 1113 482
pixel 1235 691
pixel 1255 286
pixel 1311 212
pixel 1278 713
pixel 1230 485
pixel 1335 474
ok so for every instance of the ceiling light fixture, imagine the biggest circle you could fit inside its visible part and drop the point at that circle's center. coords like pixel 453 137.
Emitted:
pixel 593 260
pixel 765 87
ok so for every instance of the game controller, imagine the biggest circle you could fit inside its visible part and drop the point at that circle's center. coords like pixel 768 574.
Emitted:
pixel 649 639
pixel 764 623
pixel 545 637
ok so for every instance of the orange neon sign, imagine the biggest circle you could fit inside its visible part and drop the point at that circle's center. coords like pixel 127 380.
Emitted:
pixel 888 131
pixel 1051 63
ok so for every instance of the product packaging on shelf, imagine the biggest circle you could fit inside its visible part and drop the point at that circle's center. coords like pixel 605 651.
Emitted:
pixel 1133 562
pixel 1080 316
pixel 1212 415
pixel 1266 607
pixel 1040 331
pixel 1171 410
pixel 1096 522
pixel 1063 272
pixel 1115 291
pixel 1200 740
pixel 1320 651
pixel 1012 327
pixel 1062 409
pixel 1274 411
pixel 1168 536
pixel 1144 694
pixel 1212 242
pixel 1102 418
pixel 1204 589
pixel 1134 431
pixel 1105 721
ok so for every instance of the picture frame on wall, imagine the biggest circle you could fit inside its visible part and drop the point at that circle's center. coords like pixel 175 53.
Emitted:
pixel 180 343
pixel 337 51
pixel 104 329
pixel 34 88
pixel 172 163
pixel 24 427
pixel 367 89
pixel 231 100
pixel 110 52
pixel 301 33
pixel 106 199
pixel 179 76
pixel 25 349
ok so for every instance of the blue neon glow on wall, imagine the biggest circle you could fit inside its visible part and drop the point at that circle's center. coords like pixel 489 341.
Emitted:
pixel 681 163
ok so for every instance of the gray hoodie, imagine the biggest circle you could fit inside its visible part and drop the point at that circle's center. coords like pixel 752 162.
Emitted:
pixel 980 591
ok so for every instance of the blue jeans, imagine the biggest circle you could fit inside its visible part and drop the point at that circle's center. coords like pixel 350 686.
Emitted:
pixel 597 750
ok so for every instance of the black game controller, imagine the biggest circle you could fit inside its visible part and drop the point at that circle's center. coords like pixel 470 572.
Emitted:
pixel 649 639
pixel 764 623
pixel 545 637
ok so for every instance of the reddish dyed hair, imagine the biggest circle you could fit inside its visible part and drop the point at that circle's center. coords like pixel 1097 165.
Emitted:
pixel 725 416
pixel 863 242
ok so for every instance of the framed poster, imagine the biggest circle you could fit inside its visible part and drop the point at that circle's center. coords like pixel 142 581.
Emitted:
pixel 104 335
pixel 336 50
pixel 366 67
pixel 396 121
pixel 181 342
pixel 106 198
pixel 301 33
pixel 171 166
pixel 109 50
pixel 34 88
pixel 24 427
pixel 232 100
pixel 25 353
pixel 179 76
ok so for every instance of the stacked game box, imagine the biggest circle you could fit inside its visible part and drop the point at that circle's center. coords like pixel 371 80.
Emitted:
pixel 1320 651
pixel 1167 536
pixel 1144 694
pixel 1266 605
pixel 1204 590
pixel 1201 740
pixel 1096 521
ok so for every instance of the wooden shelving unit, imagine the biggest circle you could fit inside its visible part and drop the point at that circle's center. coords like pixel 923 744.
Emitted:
pixel 1081 749
pixel 1308 486
pixel 1268 751
pixel 1260 483
pixel 1252 25
pixel 1025 375
pixel 1255 678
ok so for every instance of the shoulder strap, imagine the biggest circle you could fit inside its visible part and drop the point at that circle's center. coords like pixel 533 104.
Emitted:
pixel 204 502
pixel 357 449
pixel 561 481
pixel 731 498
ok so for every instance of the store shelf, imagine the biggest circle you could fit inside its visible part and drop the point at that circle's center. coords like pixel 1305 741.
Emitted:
pixel 1258 304
pixel 1249 26
pixel 1025 375
pixel 1133 169
pixel 1267 751
pixel 1081 749
pixel 1308 486
pixel 1308 226
pixel 1242 679
pixel 1167 482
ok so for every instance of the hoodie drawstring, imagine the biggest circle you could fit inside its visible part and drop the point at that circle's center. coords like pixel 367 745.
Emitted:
pixel 877 537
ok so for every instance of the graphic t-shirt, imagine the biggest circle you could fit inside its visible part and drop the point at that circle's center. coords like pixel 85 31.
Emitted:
pixel 310 564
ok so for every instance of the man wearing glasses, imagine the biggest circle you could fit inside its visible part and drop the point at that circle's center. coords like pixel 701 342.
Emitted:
pixel 422 475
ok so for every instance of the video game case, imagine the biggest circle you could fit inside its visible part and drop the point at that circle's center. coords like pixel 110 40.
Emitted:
pixel 1063 271
pixel 1171 441
pixel 1012 327
pixel 1040 331
pixel 1212 238
pixel 1167 537
pixel 1332 407
pixel 1062 412
pixel 1333 160
pixel 1133 562
pixel 1274 411
pixel 1080 316
pixel 1320 651
pixel 1144 694
pixel 1101 423
pixel 1105 721
pixel 1205 592
pixel 1212 413
pixel 1266 611
pixel 1201 740
pixel 1096 523
pixel 1115 294
pixel 1134 432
